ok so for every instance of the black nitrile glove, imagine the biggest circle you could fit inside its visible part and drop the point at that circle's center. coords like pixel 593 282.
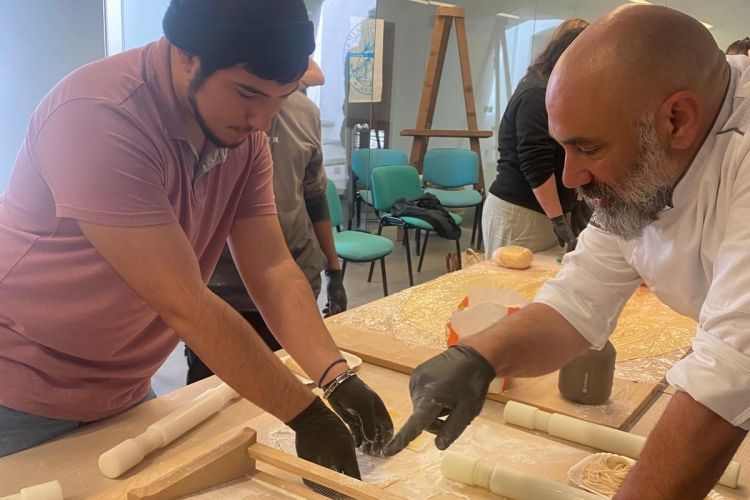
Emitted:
pixel 580 216
pixel 336 292
pixel 564 233
pixel 324 439
pixel 365 414
pixel 453 383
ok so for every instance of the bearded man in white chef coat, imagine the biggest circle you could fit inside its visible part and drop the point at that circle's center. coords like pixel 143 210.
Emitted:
pixel 655 122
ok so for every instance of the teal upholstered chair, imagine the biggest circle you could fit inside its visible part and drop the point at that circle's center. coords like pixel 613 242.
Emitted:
pixel 356 246
pixel 454 168
pixel 364 161
pixel 389 183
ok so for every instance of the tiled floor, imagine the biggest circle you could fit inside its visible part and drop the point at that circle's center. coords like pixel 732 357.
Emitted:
pixel 172 374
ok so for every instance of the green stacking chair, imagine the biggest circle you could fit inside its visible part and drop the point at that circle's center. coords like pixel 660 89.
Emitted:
pixel 356 246
pixel 389 183
pixel 364 161
pixel 454 168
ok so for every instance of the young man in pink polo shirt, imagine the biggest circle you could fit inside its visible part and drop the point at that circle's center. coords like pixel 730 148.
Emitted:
pixel 134 172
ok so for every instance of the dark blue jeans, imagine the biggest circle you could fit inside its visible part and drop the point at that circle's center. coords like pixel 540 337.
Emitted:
pixel 19 430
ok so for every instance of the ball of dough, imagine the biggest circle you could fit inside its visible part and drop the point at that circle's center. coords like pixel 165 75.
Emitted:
pixel 513 257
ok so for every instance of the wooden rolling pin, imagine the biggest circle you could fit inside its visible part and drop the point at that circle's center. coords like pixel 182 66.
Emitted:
pixel 507 482
pixel 131 452
pixel 44 491
pixel 590 434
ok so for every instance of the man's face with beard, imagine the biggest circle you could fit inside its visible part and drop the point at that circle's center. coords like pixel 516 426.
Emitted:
pixel 634 199
pixel 230 104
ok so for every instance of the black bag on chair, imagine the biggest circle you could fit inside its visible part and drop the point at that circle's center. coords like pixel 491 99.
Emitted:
pixel 428 208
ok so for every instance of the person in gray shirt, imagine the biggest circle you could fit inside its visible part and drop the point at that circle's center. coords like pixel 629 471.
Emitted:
pixel 299 184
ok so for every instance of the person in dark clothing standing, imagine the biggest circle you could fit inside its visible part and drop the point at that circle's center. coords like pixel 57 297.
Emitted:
pixel 527 203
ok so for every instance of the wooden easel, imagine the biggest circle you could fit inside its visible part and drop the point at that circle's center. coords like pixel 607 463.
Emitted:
pixel 423 130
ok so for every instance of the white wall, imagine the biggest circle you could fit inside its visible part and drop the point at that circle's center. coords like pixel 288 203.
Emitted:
pixel 413 36
pixel 339 17
pixel 40 42
pixel 43 40
pixel 141 21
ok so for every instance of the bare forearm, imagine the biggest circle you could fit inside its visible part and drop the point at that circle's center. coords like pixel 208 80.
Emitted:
pixel 283 295
pixel 227 344
pixel 685 454
pixel 324 233
pixel 547 196
pixel 159 263
pixel 531 342
pixel 286 301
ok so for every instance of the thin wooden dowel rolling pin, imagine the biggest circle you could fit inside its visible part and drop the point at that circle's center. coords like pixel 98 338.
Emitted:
pixel 44 491
pixel 507 482
pixel 131 452
pixel 317 473
pixel 590 434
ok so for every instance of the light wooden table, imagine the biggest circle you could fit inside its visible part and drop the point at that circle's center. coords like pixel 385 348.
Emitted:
pixel 407 328
pixel 72 459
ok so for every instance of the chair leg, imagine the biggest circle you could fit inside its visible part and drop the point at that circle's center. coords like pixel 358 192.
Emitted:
pixel 458 252
pixel 343 269
pixel 417 239
pixel 372 264
pixel 372 268
pixel 359 212
pixel 424 249
pixel 355 200
pixel 385 278
pixel 408 256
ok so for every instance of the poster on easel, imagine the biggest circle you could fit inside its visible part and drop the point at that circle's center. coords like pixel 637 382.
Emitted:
pixel 364 61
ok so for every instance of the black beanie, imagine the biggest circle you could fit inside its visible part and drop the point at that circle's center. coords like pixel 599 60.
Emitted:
pixel 273 38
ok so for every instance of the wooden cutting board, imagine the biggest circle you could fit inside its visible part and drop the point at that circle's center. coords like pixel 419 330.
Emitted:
pixel 418 315
pixel 627 400
pixel 415 472
pixel 407 328
pixel 229 459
